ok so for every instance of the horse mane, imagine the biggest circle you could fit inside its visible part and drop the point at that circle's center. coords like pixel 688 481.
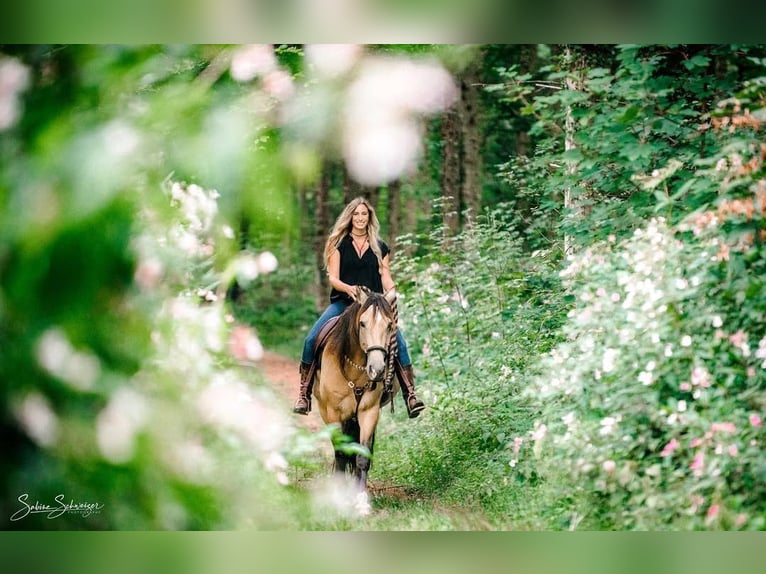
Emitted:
pixel 345 334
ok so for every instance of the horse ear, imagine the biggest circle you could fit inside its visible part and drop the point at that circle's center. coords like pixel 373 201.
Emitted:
pixel 390 295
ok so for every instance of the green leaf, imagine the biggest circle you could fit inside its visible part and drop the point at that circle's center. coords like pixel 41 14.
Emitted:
pixel 698 61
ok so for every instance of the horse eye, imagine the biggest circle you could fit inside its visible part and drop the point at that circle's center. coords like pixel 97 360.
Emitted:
pixel 362 324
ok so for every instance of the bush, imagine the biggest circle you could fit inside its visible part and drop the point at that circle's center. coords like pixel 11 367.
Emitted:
pixel 653 405
pixel 475 310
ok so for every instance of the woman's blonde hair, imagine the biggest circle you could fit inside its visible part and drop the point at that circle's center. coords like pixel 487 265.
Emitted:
pixel 343 226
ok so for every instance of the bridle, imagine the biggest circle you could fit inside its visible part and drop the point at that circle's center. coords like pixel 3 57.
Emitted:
pixel 378 348
pixel 372 348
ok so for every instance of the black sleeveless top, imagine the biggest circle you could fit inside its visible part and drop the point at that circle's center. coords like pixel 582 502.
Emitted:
pixel 355 270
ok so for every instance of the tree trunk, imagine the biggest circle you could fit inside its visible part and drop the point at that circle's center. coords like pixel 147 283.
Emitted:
pixel 410 218
pixel 351 188
pixel 471 134
pixel 570 203
pixel 320 236
pixel 394 213
pixel 450 131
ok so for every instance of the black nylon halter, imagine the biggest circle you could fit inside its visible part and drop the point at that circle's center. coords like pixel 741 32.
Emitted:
pixel 378 348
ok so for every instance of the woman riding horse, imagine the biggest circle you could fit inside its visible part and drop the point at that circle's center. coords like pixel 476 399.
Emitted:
pixel 356 256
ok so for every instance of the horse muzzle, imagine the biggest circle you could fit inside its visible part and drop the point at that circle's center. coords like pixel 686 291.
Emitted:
pixel 376 363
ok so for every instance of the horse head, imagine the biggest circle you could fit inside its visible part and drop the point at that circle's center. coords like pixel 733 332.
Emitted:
pixel 375 320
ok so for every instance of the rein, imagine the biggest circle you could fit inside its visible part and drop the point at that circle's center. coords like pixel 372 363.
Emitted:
pixel 359 391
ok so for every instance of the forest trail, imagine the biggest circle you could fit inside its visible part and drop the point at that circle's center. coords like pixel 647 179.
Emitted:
pixel 282 373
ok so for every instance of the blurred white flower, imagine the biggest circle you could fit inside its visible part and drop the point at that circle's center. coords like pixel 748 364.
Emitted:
pixel 382 134
pixel 645 378
pixel 608 361
pixel 570 421
pixel 380 152
pixel 686 341
pixel 78 369
pixel 340 496
pixel 608 425
pixel 244 344
pixel 117 425
pixel 122 140
pixel 267 262
pixel 148 272
pixel 700 377
pixel 331 60
pixel 717 321
pixel 38 420
pixel 227 403
pixel 539 432
pixel 192 461
pixel 277 464
pixel 279 84
pixel 252 60
pixel 14 78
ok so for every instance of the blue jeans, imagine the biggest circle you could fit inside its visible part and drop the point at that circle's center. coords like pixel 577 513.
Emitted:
pixel 333 310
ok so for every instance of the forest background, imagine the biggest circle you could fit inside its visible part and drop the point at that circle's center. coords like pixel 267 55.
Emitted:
pixel 577 235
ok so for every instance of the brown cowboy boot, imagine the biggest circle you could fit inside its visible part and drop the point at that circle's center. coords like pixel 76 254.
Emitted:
pixel 303 404
pixel 407 383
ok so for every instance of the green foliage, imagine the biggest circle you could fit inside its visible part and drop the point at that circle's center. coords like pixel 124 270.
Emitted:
pixel 653 405
pixel 476 310
pixel 122 381
pixel 280 306
pixel 627 123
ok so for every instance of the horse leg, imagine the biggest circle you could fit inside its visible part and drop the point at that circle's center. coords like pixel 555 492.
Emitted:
pixel 368 421
pixel 344 463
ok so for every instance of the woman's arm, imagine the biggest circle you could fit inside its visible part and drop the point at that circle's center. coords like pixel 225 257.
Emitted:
pixel 333 273
pixel 385 274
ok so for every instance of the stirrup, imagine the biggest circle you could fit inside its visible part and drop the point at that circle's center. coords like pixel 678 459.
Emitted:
pixel 302 406
pixel 414 406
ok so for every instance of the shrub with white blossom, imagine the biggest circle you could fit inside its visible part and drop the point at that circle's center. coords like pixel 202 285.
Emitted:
pixel 653 406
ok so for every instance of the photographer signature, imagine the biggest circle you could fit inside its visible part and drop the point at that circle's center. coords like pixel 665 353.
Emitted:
pixel 61 507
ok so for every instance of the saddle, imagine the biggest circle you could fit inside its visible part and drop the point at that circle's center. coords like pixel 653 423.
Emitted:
pixel 321 341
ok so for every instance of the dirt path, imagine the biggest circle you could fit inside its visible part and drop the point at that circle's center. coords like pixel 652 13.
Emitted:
pixel 283 374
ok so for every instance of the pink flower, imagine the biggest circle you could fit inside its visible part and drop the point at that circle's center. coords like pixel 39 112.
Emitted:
pixel 685 386
pixel 733 450
pixel 712 512
pixel 755 421
pixel 670 447
pixel 244 344
pixel 697 464
pixel 738 338
pixel 696 442
pixel 728 428
pixel 700 377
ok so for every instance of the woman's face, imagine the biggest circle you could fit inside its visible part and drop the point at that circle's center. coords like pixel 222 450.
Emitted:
pixel 360 218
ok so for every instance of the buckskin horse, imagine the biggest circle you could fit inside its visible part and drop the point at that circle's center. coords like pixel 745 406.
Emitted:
pixel 354 379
